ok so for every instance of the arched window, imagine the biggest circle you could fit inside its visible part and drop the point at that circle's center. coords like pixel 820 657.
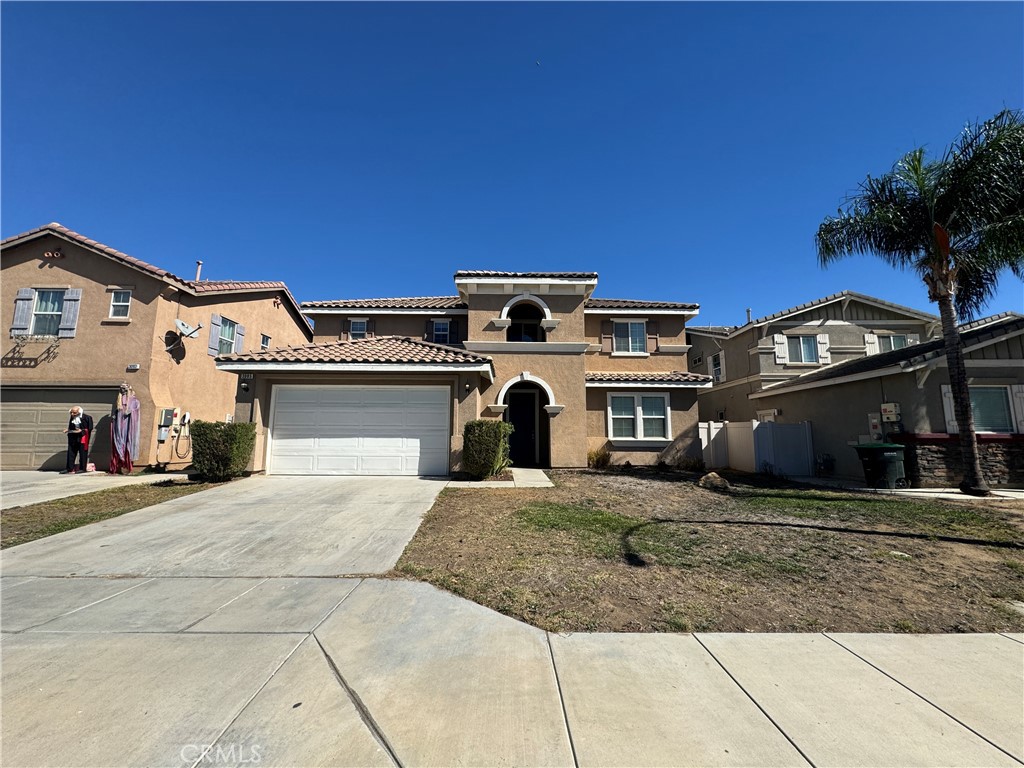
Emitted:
pixel 525 325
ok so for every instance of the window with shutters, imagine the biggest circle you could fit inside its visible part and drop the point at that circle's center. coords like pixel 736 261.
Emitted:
pixel 629 337
pixel 638 416
pixel 442 331
pixel 802 349
pixel 46 313
pixel 226 344
pixel 889 343
pixel 716 368
pixel 991 409
pixel 357 328
pixel 120 303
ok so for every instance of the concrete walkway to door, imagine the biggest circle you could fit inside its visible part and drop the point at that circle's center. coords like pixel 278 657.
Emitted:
pixel 193 641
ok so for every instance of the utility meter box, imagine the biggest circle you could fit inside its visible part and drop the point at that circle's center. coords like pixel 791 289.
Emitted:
pixel 166 417
pixel 890 411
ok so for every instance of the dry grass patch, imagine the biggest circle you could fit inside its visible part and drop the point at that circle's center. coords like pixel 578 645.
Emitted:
pixel 35 521
pixel 649 551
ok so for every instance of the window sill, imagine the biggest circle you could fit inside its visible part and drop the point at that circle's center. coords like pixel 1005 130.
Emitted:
pixel 631 354
pixel 640 442
pixel 803 365
pixel 116 321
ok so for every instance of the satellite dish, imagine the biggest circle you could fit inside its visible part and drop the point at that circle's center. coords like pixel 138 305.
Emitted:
pixel 186 330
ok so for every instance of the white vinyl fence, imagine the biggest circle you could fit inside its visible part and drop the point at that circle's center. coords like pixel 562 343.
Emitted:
pixel 752 446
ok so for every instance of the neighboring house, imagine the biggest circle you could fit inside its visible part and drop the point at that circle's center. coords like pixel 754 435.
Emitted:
pixel 85 318
pixel 903 395
pixel 772 350
pixel 389 383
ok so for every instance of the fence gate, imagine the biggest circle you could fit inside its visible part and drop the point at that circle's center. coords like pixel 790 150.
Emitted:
pixel 752 446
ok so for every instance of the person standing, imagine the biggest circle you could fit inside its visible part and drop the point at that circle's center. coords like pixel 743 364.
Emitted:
pixel 79 431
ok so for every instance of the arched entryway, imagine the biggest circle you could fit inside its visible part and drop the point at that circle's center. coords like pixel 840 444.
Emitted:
pixel 530 442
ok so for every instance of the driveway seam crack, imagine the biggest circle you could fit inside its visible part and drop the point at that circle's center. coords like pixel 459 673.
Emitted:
pixel 1011 637
pixel 90 605
pixel 756 703
pixel 222 607
pixel 245 706
pixel 924 699
pixel 561 701
pixel 361 708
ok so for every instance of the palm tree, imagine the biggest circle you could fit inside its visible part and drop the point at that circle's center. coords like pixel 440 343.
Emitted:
pixel 958 222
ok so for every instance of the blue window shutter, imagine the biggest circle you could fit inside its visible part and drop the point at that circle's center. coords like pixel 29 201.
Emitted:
pixel 239 338
pixel 23 312
pixel 69 313
pixel 214 345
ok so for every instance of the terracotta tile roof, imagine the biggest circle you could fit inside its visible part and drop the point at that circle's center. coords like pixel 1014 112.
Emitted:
pixel 413 302
pixel 384 350
pixel 711 330
pixel 210 286
pixel 635 304
pixel 196 287
pixel 668 377
pixel 113 253
pixel 464 274
pixel 979 331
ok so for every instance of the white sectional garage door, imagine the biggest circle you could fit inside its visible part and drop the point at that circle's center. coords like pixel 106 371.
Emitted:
pixel 348 430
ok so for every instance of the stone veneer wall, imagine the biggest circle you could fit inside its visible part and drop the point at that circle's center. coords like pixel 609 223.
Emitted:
pixel 935 460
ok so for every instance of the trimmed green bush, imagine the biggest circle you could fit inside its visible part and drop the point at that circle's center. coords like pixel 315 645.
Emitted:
pixel 485 447
pixel 220 450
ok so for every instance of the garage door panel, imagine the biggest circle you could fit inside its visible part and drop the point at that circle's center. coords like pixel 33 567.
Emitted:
pixel 32 423
pixel 360 430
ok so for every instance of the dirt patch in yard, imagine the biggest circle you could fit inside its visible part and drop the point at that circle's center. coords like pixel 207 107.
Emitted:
pixel 36 521
pixel 645 551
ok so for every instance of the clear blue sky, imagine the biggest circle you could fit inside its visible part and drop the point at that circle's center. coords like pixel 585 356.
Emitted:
pixel 684 151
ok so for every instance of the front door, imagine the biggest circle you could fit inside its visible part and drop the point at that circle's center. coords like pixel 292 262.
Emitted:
pixel 523 414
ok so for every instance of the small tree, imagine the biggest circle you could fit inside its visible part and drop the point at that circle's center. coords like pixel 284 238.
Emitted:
pixel 485 449
pixel 958 222
pixel 220 450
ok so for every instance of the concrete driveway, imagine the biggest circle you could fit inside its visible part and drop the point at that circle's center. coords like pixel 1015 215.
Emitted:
pixel 227 628
pixel 259 526
pixel 21 487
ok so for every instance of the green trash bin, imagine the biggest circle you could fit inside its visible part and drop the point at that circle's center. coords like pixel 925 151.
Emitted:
pixel 883 465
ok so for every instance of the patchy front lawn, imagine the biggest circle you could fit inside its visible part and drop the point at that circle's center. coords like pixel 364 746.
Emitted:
pixel 35 521
pixel 650 552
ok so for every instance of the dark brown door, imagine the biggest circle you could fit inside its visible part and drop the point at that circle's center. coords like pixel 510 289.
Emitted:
pixel 522 415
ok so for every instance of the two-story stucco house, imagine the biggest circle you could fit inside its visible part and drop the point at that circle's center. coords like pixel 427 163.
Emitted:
pixel 85 318
pixel 771 350
pixel 388 383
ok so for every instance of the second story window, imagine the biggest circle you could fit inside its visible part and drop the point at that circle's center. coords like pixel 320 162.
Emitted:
pixel 120 303
pixel 630 337
pixel 716 367
pixel 889 343
pixel 525 325
pixel 803 349
pixel 442 332
pixel 226 345
pixel 264 341
pixel 47 312
pixel 357 328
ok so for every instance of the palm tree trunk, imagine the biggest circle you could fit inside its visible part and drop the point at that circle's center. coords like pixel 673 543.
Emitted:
pixel 973 483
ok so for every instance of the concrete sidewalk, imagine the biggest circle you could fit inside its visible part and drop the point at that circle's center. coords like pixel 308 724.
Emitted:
pixel 521 478
pixel 365 672
pixel 20 488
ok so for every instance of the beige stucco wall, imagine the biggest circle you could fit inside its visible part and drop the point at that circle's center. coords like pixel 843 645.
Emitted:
pixel 567 309
pixel 328 327
pixel 103 348
pixel 683 406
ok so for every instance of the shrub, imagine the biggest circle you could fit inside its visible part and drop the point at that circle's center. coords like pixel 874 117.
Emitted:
pixel 599 459
pixel 485 447
pixel 220 450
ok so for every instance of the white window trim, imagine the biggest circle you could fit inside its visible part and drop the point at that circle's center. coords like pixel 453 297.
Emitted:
pixel 627 321
pixel 1014 395
pixel 113 295
pixel 720 354
pixel 638 418
pixel 59 313
pixel 448 329
pixel 222 338
pixel 267 345
pixel 366 327
pixel 802 336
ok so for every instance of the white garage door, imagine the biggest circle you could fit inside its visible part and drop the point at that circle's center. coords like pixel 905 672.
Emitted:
pixel 359 431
